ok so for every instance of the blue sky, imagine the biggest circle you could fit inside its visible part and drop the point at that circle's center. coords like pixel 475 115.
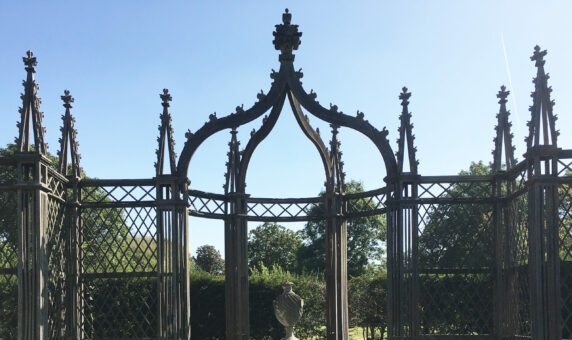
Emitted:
pixel 116 57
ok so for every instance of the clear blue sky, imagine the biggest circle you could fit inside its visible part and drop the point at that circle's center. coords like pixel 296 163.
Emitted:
pixel 116 57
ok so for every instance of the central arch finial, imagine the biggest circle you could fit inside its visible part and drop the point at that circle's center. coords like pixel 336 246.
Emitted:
pixel 286 37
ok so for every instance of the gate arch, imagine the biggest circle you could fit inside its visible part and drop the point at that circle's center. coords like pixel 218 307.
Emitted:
pixel 286 85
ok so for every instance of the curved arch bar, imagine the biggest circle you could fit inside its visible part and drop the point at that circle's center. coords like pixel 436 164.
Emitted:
pixel 314 136
pixel 215 125
pixel 379 138
pixel 256 139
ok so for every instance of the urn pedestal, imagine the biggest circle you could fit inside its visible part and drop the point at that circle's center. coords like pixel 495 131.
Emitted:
pixel 288 308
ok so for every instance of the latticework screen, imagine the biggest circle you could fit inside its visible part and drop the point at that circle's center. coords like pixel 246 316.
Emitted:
pixel 8 256
pixel 118 262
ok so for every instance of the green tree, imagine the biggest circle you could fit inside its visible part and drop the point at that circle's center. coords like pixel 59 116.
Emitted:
pixel 367 303
pixel 364 238
pixel 209 260
pixel 271 244
pixel 459 235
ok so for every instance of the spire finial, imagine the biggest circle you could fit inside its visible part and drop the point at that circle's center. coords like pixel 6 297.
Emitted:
pixel 67 99
pixel 503 134
pixel 404 96
pixel 165 138
pixel 68 141
pixel 30 113
pixel 286 37
pixel 406 137
pixel 538 56
pixel 166 97
pixel 542 125
pixel 30 61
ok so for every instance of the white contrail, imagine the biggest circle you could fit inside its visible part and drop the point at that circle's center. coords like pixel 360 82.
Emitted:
pixel 510 83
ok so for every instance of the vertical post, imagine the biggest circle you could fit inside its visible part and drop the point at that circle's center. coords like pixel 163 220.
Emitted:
pixel 336 267
pixel 32 246
pixel 500 301
pixel 172 264
pixel 75 288
pixel 394 250
pixel 544 258
pixel 236 269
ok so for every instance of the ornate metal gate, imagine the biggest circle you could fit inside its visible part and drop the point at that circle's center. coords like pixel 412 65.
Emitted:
pixel 477 255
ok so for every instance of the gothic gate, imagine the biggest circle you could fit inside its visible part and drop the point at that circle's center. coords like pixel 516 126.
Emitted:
pixel 484 256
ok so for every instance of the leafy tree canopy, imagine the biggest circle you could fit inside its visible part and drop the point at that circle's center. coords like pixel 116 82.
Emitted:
pixel 364 238
pixel 271 244
pixel 458 235
pixel 209 260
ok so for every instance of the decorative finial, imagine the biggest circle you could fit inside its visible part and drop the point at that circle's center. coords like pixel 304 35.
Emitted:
pixel 538 56
pixel 502 95
pixel 286 17
pixel 286 37
pixel 67 99
pixel 166 97
pixel 30 61
pixel 404 96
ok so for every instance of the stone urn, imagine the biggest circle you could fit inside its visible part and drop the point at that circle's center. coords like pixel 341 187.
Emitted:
pixel 288 308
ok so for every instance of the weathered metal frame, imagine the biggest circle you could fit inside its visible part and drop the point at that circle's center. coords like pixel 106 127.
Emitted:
pixel 527 280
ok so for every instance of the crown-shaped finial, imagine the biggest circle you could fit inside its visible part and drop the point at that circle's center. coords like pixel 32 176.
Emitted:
pixel 538 56
pixel 166 97
pixel 67 99
pixel 286 37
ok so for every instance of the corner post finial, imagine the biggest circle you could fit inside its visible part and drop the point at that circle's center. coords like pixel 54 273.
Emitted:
pixel 503 134
pixel 406 133
pixel 286 37
pixel 543 121
pixel 30 111
pixel 68 140
pixel 166 136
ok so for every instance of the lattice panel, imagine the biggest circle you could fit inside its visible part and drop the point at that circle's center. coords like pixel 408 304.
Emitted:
pixel 565 233
pixel 118 193
pixel 455 236
pixel 371 203
pixel 120 308
pixel 8 307
pixel 279 209
pixel 516 270
pixel 456 304
pixel 8 256
pixel 57 262
pixel 8 230
pixel 200 205
pixel 119 240
pixel 565 167
pixel 462 188
pixel 57 187
pixel 118 262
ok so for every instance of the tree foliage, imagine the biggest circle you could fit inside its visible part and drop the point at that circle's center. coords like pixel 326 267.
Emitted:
pixel 364 239
pixel 459 235
pixel 271 244
pixel 209 259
